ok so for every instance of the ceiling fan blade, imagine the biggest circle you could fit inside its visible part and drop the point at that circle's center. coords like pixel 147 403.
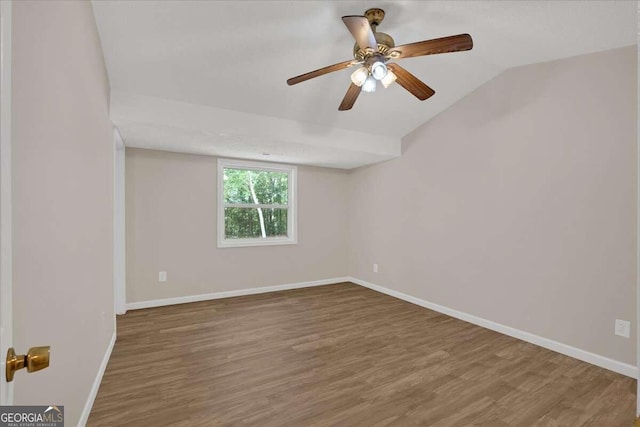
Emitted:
pixel 411 82
pixel 361 31
pixel 349 98
pixel 432 47
pixel 321 71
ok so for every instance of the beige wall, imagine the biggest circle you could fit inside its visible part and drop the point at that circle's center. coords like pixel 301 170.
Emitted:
pixel 171 226
pixel 62 201
pixel 518 204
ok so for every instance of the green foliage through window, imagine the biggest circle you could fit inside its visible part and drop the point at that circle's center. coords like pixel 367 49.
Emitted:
pixel 255 203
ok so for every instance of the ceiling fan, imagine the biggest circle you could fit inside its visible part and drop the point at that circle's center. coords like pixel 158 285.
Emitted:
pixel 374 50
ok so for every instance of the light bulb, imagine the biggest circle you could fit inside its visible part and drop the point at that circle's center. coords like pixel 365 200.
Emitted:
pixel 359 76
pixel 378 70
pixel 388 79
pixel 369 85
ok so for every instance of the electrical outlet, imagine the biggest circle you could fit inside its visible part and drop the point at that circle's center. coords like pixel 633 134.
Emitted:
pixel 375 268
pixel 623 328
pixel 162 276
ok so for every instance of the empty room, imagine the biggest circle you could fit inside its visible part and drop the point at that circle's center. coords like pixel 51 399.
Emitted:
pixel 319 213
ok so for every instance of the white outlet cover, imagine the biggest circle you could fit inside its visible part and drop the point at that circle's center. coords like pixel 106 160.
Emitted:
pixel 162 276
pixel 375 268
pixel 622 328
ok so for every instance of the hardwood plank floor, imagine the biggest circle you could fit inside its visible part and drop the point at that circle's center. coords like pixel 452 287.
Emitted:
pixel 342 355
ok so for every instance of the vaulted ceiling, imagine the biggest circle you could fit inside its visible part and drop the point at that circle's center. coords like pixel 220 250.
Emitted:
pixel 210 77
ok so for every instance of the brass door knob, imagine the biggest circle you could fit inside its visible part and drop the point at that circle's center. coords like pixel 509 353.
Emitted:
pixel 36 359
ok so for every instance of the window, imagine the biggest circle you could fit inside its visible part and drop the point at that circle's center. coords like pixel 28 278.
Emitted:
pixel 256 203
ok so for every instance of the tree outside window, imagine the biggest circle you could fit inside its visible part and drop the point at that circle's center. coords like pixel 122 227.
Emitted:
pixel 255 203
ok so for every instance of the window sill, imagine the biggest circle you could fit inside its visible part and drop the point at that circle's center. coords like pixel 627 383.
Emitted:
pixel 243 243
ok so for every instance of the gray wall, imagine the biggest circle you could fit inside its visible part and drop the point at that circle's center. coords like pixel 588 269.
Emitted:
pixel 517 204
pixel 62 201
pixel 171 226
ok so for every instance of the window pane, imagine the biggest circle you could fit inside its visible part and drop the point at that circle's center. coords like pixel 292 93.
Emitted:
pixel 245 223
pixel 269 188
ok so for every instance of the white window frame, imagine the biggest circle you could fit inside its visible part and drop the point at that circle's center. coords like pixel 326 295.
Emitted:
pixel 291 171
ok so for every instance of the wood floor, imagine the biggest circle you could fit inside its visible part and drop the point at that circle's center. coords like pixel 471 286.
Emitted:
pixel 342 355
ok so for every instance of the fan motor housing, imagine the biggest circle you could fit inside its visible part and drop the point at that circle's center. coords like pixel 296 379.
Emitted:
pixel 385 43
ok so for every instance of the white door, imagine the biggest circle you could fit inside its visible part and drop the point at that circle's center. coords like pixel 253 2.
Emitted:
pixel 6 326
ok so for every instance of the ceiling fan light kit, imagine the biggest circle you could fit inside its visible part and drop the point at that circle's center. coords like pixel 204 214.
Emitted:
pixel 369 85
pixel 359 76
pixel 378 70
pixel 373 51
pixel 388 79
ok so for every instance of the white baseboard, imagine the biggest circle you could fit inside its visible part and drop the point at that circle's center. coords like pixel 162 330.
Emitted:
pixel 585 356
pixel 228 294
pixel 84 417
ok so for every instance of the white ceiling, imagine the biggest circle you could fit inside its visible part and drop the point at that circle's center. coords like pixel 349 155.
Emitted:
pixel 227 62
